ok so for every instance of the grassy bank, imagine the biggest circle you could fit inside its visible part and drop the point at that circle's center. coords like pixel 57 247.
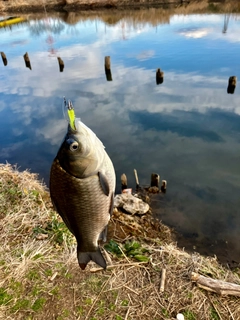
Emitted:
pixel 185 6
pixel 40 277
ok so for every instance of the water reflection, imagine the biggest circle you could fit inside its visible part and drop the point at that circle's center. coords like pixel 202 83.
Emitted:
pixel 159 76
pixel 61 64
pixel 226 22
pixel 27 61
pixel 4 59
pixel 186 129
pixel 107 66
pixel 232 82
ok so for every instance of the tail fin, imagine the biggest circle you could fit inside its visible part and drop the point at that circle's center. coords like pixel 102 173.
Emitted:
pixel 85 257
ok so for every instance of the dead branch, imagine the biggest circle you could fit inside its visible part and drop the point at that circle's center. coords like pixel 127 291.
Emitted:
pixel 163 278
pixel 218 286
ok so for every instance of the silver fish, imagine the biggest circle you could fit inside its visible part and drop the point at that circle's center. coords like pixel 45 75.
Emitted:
pixel 82 185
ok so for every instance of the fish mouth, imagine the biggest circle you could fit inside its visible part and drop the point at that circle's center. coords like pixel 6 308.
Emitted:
pixel 74 126
pixel 71 130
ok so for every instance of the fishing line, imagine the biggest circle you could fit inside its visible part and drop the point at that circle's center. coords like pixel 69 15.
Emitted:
pixel 64 105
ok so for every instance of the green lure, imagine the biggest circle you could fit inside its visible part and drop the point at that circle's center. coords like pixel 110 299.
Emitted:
pixel 71 113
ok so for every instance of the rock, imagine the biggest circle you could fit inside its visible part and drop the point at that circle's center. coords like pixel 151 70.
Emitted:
pixel 180 316
pixel 42 236
pixel 131 204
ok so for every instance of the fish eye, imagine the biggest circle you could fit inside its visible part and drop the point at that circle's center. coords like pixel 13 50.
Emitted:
pixel 74 146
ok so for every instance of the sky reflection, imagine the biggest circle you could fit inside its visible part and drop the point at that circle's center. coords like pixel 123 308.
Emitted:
pixel 187 129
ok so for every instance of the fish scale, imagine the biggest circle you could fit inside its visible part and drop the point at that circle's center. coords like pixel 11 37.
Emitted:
pixel 87 199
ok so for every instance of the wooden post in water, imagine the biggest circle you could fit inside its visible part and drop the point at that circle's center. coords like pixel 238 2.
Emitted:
pixel 4 58
pixel 61 64
pixel 159 76
pixel 27 61
pixel 232 82
pixel 108 68
pixel 136 178
pixel 155 180
pixel 164 186
pixel 124 181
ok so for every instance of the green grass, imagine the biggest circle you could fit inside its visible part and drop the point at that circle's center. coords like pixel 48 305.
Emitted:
pixel 189 315
pixel 214 315
pixel 5 297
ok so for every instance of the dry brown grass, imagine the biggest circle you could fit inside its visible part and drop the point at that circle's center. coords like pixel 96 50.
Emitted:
pixel 154 16
pixel 153 13
pixel 40 277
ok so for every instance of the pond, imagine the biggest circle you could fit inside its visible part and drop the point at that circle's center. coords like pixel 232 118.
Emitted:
pixel 186 128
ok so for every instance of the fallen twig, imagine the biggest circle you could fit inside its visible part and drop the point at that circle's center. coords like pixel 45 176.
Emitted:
pixel 119 265
pixel 163 278
pixel 218 286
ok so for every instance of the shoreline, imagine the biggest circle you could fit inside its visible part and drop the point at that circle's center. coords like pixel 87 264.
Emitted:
pixel 33 6
pixel 71 5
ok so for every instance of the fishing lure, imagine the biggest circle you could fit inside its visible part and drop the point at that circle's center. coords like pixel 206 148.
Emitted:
pixel 71 113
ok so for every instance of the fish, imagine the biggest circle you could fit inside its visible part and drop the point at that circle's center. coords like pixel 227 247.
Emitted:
pixel 82 185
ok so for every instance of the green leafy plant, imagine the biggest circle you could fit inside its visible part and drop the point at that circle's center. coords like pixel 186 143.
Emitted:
pixel 56 229
pixel 135 250
pixel 131 249
pixel 113 247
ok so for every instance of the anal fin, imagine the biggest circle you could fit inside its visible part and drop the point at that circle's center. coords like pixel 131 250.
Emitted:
pixel 103 235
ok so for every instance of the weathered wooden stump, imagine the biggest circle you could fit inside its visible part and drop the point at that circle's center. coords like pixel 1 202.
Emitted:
pixel 159 76
pixel 136 178
pixel 232 82
pixel 164 186
pixel 27 61
pixel 61 64
pixel 4 58
pixel 108 68
pixel 123 181
pixel 155 180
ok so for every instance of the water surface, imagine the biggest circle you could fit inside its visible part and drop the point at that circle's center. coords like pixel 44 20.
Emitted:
pixel 187 129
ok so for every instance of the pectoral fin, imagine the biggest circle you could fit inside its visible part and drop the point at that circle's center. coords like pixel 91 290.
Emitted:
pixel 111 204
pixel 104 183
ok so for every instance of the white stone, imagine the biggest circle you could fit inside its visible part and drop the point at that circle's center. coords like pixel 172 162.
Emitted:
pixel 130 203
pixel 180 316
